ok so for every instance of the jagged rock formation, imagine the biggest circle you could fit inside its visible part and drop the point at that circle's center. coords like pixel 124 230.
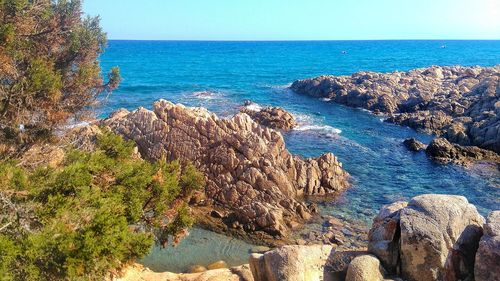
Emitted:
pixel 442 150
pixel 461 104
pixel 248 169
pixel 272 117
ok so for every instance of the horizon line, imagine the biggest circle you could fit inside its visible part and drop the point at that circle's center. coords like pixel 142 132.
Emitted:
pixel 294 40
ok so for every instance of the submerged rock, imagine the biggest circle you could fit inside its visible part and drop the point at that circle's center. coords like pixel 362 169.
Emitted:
pixel 272 117
pixel 461 104
pixel 248 169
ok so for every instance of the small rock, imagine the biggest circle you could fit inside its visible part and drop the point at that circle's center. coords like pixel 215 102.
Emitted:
pixel 365 268
pixel 197 269
pixel 217 265
pixel 414 145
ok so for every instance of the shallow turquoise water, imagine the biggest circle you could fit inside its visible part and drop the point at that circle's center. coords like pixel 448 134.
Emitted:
pixel 371 151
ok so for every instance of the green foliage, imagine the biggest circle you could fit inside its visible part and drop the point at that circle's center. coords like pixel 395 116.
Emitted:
pixel 49 67
pixel 95 212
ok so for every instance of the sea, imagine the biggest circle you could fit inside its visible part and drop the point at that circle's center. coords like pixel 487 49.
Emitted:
pixel 222 75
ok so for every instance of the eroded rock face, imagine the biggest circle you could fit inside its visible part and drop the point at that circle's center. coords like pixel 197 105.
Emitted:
pixel 487 266
pixel 248 169
pixel 292 263
pixel 384 236
pixel 272 117
pixel 430 226
pixel 461 104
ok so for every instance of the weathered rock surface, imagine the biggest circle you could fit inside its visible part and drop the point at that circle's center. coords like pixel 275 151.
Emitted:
pixel 292 263
pixel 461 104
pixel 460 262
pixel 384 236
pixel 137 272
pixel 248 169
pixel 365 268
pixel 487 266
pixel 414 145
pixel 442 150
pixel 272 117
pixel 430 226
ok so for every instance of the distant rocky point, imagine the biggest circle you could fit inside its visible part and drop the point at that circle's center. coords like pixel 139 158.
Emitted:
pixel 250 174
pixel 461 104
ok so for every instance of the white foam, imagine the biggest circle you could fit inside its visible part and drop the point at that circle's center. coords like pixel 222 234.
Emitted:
pixel 254 107
pixel 205 95
pixel 322 128
pixel 326 99
pixel 307 123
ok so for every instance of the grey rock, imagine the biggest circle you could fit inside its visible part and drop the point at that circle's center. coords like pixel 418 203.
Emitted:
pixel 487 266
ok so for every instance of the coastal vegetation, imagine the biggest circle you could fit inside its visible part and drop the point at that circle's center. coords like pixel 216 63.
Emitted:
pixel 94 210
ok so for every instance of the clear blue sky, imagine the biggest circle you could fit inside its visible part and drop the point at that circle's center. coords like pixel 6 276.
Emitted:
pixel 297 19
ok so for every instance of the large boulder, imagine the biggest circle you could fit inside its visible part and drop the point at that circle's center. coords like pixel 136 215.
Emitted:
pixel 487 266
pixel 247 167
pixel 365 268
pixel 430 226
pixel 383 238
pixel 291 263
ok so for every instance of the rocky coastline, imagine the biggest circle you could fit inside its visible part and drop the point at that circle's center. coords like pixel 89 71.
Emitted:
pixel 430 237
pixel 460 104
pixel 252 179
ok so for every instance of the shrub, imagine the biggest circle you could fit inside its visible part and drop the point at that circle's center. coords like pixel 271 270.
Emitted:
pixel 92 214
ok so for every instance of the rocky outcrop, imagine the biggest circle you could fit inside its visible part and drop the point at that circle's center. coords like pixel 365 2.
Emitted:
pixel 272 117
pixel 442 150
pixel 247 167
pixel 414 145
pixel 461 104
pixel 487 265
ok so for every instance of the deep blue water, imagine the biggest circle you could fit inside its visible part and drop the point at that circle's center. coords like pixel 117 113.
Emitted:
pixel 371 151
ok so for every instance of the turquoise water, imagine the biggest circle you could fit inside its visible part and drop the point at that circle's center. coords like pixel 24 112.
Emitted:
pixel 231 72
